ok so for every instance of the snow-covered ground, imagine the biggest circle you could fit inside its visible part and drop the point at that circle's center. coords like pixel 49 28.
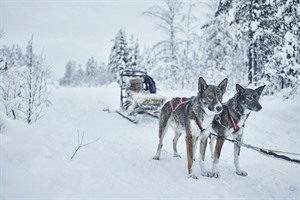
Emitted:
pixel 36 159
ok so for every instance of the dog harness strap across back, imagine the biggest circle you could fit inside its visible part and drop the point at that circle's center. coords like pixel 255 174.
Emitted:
pixel 181 102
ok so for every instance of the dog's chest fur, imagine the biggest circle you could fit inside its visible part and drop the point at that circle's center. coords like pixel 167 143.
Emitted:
pixel 206 123
pixel 243 118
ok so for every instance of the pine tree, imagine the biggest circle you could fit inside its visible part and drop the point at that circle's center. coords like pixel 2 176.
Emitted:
pixel 70 74
pixel 92 73
pixel 270 30
pixel 282 69
pixel 118 59
pixel 80 76
pixel 133 54
pixel 221 55
pixel 104 74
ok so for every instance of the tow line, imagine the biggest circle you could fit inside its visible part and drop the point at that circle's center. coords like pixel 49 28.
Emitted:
pixel 266 152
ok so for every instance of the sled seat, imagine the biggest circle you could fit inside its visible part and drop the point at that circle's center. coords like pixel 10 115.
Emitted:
pixel 141 98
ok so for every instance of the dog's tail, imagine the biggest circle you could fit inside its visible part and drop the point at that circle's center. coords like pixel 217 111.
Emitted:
pixel 164 119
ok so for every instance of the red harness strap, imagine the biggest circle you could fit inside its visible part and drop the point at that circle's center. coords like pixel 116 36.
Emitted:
pixel 234 124
pixel 181 102
pixel 177 106
pixel 198 123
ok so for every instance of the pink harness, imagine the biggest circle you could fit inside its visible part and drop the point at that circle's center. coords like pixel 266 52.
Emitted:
pixel 234 124
pixel 177 106
pixel 181 102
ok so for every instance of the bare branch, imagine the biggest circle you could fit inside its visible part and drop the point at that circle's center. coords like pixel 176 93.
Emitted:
pixel 80 142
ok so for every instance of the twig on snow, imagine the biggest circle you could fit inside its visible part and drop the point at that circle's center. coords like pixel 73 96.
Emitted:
pixel 80 143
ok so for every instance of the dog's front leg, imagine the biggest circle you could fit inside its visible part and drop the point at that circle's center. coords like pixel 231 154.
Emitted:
pixel 195 138
pixel 219 145
pixel 203 144
pixel 212 145
pixel 237 149
pixel 189 150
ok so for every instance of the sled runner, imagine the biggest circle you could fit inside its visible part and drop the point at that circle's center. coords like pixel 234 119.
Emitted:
pixel 138 96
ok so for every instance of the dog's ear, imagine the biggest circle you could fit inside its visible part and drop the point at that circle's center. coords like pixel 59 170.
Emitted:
pixel 260 89
pixel 201 84
pixel 239 89
pixel 223 85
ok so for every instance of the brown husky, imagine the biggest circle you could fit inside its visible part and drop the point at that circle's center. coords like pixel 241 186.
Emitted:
pixel 232 121
pixel 191 115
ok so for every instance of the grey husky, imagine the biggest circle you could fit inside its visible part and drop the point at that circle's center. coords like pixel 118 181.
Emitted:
pixel 232 122
pixel 191 115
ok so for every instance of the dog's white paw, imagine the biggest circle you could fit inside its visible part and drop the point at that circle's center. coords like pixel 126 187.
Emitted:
pixel 155 158
pixel 216 174
pixel 241 173
pixel 176 155
pixel 193 176
pixel 207 174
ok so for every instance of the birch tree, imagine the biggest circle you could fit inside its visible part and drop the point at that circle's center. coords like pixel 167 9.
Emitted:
pixel 35 87
pixel 168 18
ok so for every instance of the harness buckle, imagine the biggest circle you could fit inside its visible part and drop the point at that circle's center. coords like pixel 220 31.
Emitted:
pixel 218 118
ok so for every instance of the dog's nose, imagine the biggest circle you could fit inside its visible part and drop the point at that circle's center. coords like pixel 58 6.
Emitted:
pixel 219 108
pixel 259 107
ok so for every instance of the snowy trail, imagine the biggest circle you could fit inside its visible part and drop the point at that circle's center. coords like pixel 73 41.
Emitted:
pixel 35 160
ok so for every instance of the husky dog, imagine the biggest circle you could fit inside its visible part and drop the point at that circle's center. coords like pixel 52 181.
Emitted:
pixel 191 115
pixel 232 121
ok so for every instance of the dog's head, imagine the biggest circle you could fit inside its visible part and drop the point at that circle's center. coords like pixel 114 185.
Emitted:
pixel 249 98
pixel 210 96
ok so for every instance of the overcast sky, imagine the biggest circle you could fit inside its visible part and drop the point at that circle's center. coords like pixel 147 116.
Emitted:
pixel 75 30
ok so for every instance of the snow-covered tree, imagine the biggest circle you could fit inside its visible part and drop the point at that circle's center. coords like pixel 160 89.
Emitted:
pixel 104 74
pixel 221 55
pixel 70 74
pixel 118 59
pixel 133 54
pixel 270 32
pixel 189 45
pixel 92 72
pixel 79 76
pixel 11 80
pixel 168 19
pixel 35 86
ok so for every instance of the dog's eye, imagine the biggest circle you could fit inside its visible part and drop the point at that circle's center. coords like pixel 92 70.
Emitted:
pixel 209 98
pixel 249 98
pixel 220 98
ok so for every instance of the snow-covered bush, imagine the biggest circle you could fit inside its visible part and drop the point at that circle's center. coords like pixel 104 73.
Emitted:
pixel 24 85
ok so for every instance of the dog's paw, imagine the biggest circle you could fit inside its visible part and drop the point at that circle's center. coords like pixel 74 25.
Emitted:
pixel 193 176
pixel 155 158
pixel 216 174
pixel 176 155
pixel 241 173
pixel 207 174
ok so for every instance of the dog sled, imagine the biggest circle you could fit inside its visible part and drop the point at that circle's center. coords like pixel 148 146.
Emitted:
pixel 138 96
